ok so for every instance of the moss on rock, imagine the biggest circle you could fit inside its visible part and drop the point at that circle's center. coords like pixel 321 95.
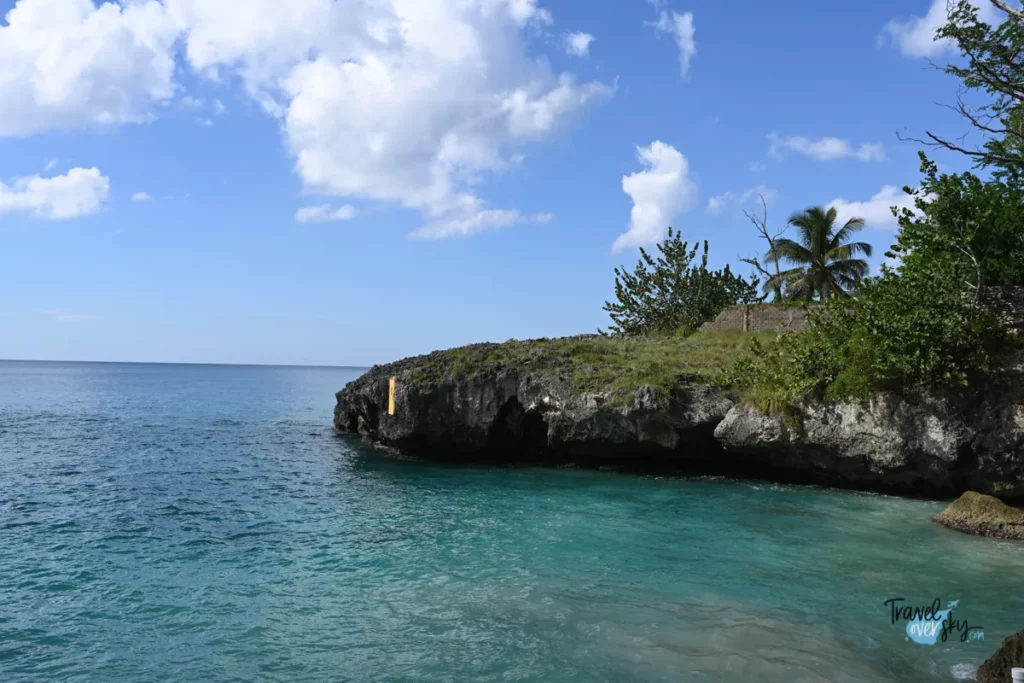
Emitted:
pixel 596 363
pixel 1010 655
pixel 976 513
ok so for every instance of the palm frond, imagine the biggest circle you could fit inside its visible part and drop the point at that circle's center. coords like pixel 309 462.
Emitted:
pixel 789 250
pixel 845 233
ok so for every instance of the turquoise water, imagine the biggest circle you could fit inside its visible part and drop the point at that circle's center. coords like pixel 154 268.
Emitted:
pixel 189 523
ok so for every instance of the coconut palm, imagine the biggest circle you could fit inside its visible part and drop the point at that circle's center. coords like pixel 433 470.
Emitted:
pixel 825 259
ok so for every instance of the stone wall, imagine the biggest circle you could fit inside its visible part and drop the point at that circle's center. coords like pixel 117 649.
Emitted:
pixel 759 318
pixel 1008 302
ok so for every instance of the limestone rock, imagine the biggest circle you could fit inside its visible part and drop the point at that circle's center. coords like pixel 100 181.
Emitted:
pixel 1010 655
pixel 975 513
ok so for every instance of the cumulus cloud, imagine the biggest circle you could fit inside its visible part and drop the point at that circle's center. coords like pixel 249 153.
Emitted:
pixel 402 101
pixel 877 211
pixel 68 64
pixel 680 27
pixel 915 36
pixel 578 44
pixel 739 200
pixel 660 193
pixel 824 149
pixel 325 213
pixel 80 192
pixel 141 197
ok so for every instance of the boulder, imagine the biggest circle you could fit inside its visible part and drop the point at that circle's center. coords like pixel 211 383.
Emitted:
pixel 998 667
pixel 976 513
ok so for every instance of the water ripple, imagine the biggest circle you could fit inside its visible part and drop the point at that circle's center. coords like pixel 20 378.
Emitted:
pixel 169 523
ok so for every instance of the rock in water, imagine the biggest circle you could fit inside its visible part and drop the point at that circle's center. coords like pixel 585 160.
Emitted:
pixel 997 668
pixel 976 513
pixel 478 404
pixel 628 403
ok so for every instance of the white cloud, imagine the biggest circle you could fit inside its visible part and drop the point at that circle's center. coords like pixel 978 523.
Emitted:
pixel 68 316
pixel 69 64
pixel 325 213
pixel 578 44
pixel 824 149
pixel 401 101
pixel 681 28
pixel 660 193
pixel 875 211
pixel 141 197
pixel 739 200
pixel 409 102
pixel 915 36
pixel 82 191
pixel 470 224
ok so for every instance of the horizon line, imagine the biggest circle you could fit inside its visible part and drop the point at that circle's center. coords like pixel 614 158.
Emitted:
pixel 214 364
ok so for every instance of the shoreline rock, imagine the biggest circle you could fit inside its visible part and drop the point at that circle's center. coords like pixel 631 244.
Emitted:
pixel 998 667
pixel 981 515
pixel 539 403
pixel 503 415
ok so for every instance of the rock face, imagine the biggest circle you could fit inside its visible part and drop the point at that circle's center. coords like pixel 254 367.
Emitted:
pixel 518 412
pixel 920 445
pixel 998 667
pixel 975 513
pixel 503 414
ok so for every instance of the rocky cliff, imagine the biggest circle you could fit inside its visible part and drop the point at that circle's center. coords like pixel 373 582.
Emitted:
pixel 588 402
pixel 532 411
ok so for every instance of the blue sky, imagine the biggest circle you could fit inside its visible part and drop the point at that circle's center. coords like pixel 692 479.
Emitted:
pixel 347 183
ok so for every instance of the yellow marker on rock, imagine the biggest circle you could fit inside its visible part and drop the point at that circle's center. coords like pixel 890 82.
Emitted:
pixel 391 397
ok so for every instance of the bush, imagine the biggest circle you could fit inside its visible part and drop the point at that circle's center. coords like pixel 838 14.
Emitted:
pixel 901 332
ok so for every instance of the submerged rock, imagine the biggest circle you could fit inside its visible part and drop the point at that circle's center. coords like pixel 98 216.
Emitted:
pixel 998 667
pixel 975 513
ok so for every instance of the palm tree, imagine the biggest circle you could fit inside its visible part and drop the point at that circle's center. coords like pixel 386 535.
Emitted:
pixel 826 263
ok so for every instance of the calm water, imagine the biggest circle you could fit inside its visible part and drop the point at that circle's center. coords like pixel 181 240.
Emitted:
pixel 187 523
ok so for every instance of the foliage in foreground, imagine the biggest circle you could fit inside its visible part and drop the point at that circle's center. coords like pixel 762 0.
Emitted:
pixel 667 293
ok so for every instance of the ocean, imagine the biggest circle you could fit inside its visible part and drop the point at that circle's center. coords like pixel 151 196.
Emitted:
pixel 205 523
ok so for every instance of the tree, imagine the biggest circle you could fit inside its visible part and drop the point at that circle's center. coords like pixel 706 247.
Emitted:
pixel 772 281
pixel 993 64
pixel 962 220
pixel 825 258
pixel 668 293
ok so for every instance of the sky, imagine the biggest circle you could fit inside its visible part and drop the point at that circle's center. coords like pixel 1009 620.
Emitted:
pixel 346 182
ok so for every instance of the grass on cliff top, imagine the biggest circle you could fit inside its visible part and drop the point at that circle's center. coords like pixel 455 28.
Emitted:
pixel 600 364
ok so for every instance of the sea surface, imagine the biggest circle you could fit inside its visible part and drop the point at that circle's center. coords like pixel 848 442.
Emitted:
pixel 204 523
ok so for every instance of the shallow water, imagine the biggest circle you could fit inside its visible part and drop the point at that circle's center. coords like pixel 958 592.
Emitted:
pixel 171 523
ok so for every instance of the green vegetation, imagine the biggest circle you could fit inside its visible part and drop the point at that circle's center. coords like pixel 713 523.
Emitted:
pixel 924 322
pixel 668 294
pixel 600 364
pixel 825 258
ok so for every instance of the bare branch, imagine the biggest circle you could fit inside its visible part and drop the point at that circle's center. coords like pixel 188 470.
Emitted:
pixel 1016 14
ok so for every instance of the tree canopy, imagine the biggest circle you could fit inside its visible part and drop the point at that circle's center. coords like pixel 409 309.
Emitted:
pixel 826 263
pixel 667 292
